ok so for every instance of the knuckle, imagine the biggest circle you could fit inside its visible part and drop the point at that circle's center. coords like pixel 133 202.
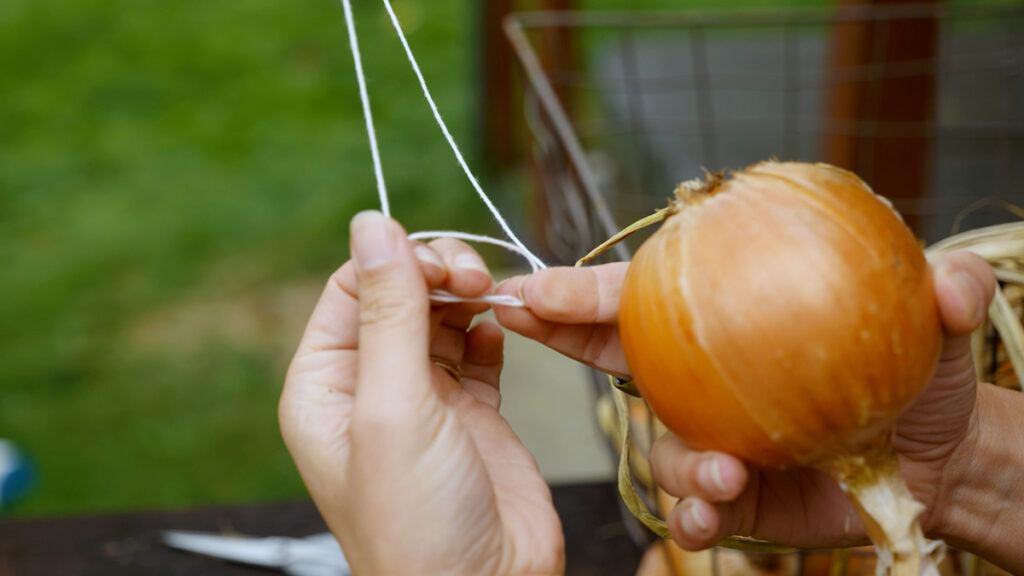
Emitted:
pixel 343 279
pixel 674 469
pixel 598 342
pixel 371 423
pixel 390 423
pixel 606 299
pixel 449 246
pixel 384 308
pixel 685 473
pixel 662 466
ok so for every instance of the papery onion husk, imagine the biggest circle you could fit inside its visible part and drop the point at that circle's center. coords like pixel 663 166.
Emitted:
pixel 786 315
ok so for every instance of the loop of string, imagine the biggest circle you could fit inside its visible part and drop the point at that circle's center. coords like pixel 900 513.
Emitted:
pixel 493 299
pixel 515 245
pixel 535 263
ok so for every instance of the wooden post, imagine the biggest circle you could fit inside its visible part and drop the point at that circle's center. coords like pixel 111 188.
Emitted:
pixel 496 99
pixel 881 102
pixel 557 52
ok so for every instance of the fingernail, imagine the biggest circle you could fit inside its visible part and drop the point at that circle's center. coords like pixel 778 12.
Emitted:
pixel 971 293
pixel 469 261
pixel 521 289
pixel 373 246
pixel 710 476
pixel 428 256
pixel 508 285
pixel 513 287
pixel 693 523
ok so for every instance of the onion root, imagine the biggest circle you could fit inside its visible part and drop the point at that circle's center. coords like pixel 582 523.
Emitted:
pixel 888 510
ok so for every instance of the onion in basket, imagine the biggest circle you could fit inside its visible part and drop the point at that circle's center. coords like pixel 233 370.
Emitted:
pixel 786 316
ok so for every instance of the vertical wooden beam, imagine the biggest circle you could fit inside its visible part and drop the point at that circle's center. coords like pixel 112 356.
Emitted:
pixel 498 99
pixel 558 53
pixel 881 102
pixel 496 94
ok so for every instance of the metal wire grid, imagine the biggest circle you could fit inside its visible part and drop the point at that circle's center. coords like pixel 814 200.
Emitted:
pixel 657 97
pixel 650 82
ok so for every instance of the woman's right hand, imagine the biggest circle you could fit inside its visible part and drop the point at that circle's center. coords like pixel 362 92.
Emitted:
pixel 390 410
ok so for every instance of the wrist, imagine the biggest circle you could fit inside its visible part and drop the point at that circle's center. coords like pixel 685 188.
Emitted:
pixel 982 492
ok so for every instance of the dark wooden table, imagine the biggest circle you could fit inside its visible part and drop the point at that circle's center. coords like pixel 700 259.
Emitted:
pixel 121 544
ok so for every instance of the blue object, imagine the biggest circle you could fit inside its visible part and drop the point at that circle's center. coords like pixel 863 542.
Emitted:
pixel 16 476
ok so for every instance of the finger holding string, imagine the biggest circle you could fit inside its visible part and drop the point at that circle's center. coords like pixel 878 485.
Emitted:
pixel 330 345
pixel 465 275
pixel 571 310
pixel 467 278
pixel 324 332
pixel 393 317
pixel 472 260
pixel 344 375
pixel 482 363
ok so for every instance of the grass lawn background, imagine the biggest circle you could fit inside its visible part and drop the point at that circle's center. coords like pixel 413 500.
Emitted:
pixel 176 180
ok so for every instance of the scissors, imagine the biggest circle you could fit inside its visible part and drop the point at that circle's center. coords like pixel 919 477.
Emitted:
pixel 316 555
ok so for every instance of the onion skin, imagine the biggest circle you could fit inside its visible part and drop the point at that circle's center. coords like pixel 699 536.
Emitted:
pixel 786 316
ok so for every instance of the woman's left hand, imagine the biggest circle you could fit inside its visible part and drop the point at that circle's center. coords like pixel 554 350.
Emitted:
pixel 412 467
pixel 575 311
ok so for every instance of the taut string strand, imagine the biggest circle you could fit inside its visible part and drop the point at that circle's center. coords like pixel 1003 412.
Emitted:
pixel 364 97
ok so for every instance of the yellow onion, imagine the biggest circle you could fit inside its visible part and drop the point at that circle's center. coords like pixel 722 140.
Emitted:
pixel 786 316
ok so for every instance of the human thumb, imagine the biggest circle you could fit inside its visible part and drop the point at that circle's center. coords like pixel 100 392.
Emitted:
pixel 394 313
pixel 964 286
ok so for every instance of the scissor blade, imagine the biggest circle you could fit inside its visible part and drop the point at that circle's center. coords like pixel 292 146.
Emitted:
pixel 316 570
pixel 270 552
pixel 314 555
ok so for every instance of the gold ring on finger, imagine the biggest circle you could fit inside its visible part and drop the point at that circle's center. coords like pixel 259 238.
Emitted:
pixel 449 367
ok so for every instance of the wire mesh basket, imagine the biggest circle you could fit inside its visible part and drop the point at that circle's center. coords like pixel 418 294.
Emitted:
pixel 927 99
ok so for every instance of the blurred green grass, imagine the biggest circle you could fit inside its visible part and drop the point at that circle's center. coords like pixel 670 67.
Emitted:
pixel 176 180
pixel 160 154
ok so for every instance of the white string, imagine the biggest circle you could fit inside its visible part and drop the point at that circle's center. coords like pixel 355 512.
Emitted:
pixel 535 263
pixel 493 299
pixel 364 97
pixel 444 297
pixel 515 246
pixel 451 141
